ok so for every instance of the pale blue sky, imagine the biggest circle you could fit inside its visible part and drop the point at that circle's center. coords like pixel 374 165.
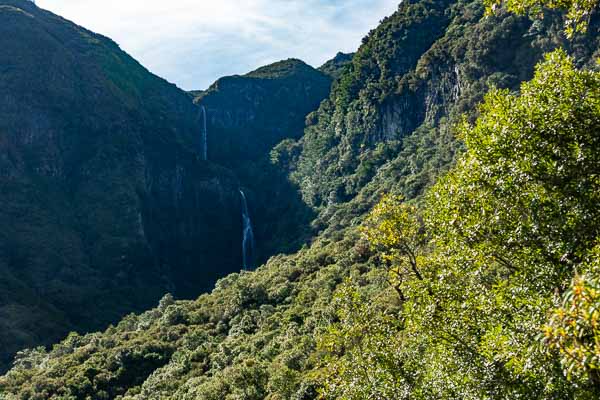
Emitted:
pixel 194 42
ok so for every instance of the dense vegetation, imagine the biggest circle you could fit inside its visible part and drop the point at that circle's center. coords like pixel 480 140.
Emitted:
pixel 495 248
pixel 106 205
pixel 387 125
pixel 474 277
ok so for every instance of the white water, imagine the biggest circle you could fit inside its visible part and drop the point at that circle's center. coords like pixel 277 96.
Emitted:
pixel 204 136
pixel 248 238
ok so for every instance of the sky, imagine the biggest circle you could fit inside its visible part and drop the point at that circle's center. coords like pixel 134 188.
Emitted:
pixel 194 42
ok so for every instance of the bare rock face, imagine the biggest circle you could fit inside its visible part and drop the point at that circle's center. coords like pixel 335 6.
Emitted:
pixel 105 205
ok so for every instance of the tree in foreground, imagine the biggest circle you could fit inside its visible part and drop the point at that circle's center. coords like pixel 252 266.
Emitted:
pixel 579 12
pixel 505 302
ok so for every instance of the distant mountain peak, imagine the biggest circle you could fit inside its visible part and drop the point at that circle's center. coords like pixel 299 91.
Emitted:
pixel 281 69
pixel 337 65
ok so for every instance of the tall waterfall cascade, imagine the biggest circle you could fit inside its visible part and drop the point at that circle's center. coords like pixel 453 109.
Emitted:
pixel 204 135
pixel 248 235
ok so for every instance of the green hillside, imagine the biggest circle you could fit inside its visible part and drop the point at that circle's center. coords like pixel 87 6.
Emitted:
pixel 107 203
pixel 450 179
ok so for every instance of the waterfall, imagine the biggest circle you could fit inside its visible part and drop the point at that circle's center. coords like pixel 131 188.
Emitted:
pixel 204 136
pixel 248 235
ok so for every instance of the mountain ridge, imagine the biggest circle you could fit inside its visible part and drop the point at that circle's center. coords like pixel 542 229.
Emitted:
pixel 94 150
pixel 386 127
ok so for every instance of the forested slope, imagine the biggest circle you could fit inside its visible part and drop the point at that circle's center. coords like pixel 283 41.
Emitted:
pixel 107 203
pixel 486 287
pixel 386 126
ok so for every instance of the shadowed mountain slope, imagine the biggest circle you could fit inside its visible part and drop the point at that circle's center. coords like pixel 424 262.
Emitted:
pixel 246 116
pixel 105 206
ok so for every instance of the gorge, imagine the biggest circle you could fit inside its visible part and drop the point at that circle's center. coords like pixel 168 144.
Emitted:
pixel 400 223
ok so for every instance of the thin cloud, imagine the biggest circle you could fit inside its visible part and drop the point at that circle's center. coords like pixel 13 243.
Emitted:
pixel 194 42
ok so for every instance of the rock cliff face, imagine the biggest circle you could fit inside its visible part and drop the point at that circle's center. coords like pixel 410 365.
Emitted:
pixel 391 113
pixel 105 205
pixel 248 115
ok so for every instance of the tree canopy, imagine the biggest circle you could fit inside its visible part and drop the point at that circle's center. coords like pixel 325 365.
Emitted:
pixel 578 11
pixel 508 229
